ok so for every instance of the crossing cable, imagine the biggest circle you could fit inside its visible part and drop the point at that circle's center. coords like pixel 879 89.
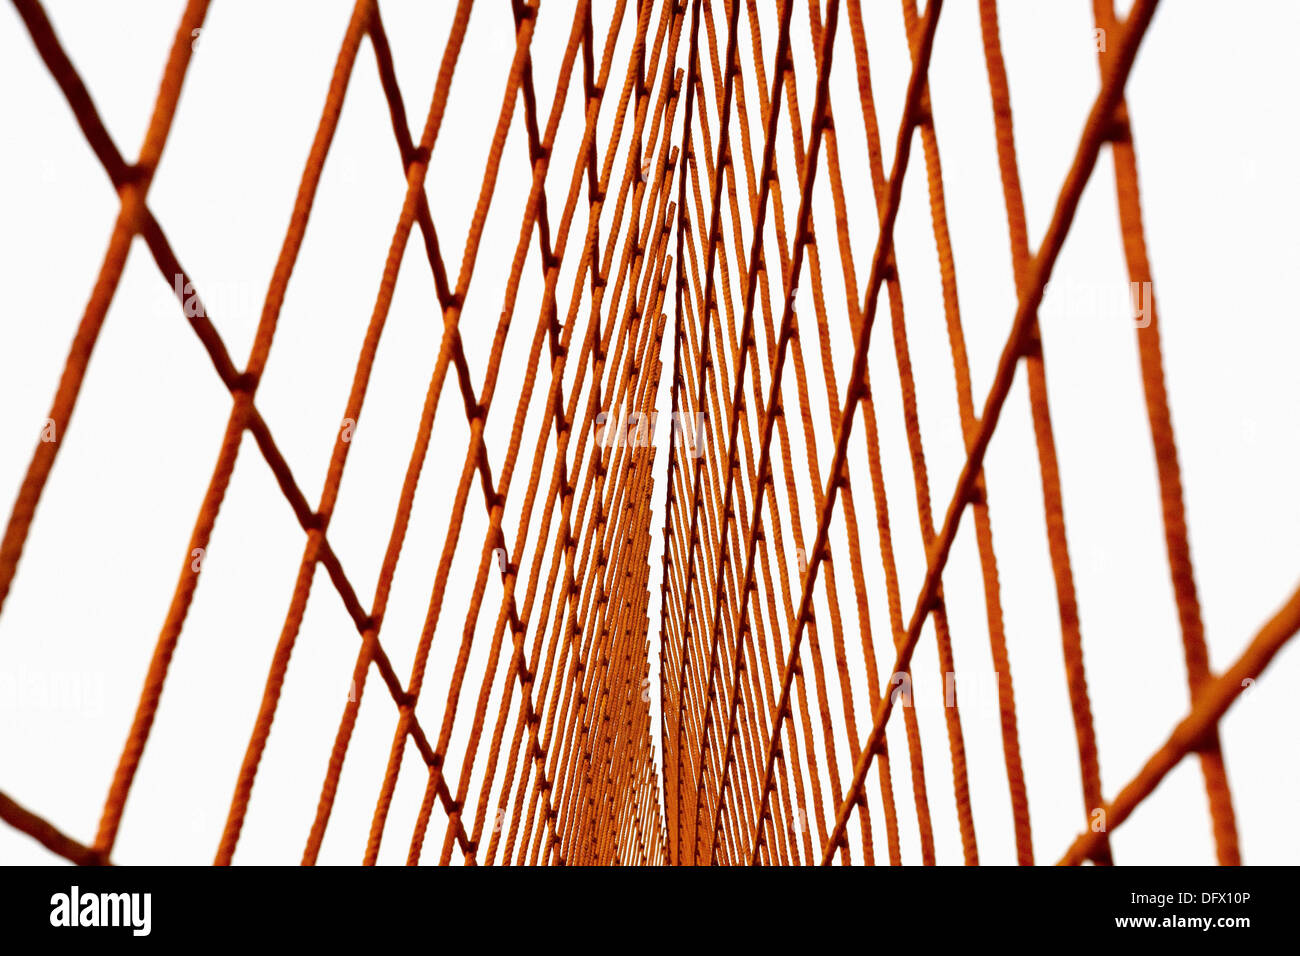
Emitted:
pixel 1172 510
pixel 581 783
pixel 1095 131
pixel 1049 469
pixel 365 19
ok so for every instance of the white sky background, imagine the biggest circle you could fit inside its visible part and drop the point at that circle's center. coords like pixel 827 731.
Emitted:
pixel 1216 146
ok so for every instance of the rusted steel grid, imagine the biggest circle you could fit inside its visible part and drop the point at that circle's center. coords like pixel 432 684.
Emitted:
pixel 747 595
pixel 735 787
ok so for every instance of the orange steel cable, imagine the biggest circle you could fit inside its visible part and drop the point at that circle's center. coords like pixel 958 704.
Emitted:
pixel 1166 452
pixel 678 280
pixel 1085 159
pixel 1063 574
pixel 815 556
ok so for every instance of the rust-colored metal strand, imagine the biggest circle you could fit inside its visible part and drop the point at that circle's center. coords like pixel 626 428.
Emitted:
pixel 476 458
pixel 588 753
pixel 790 282
pixel 685 156
pixel 642 357
pixel 402 516
pixel 560 659
pixel 869 658
pixel 120 175
pixel 169 268
pixel 517 668
pixel 1172 511
pixel 736 347
pixel 732 343
pixel 579 744
pixel 1049 470
pixel 370 636
pixel 713 504
pixel 893 287
pixel 749 747
pixel 543 781
pixel 907 124
pixel 48 835
pixel 579 834
pixel 1193 732
pixel 476 411
pixel 979 507
pixel 640 233
pixel 850 516
pixel 130 217
pixel 666 693
pixel 275 460
pixel 563 713
pixel 1094 134
pixel 529 716
pixel 707 307
pixel 242 414
pixel 329 493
